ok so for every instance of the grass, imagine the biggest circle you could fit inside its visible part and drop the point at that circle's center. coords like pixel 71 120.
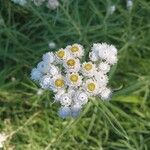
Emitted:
pixel 31 120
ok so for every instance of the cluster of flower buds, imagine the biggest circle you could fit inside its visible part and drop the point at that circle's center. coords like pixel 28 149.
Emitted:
pixel 74 82
pixel 51 4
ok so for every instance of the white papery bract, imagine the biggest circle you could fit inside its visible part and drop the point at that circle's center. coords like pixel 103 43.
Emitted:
pixel 73 82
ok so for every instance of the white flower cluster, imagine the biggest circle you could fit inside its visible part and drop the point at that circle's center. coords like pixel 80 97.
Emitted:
pixel 72 82
pixel 51 4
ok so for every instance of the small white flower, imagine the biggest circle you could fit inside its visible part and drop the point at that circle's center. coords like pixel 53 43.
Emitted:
pixel 3 138
pixel 64 112
pixel 129 4
pixel 105 51
pixel 43 67
pixel 111 9
pixel 105 93
pixel 20 2
pixel 104 67
pixel 58 95
pixel 75 110
pixel 46 82
pixel 76 50
pixel 72 64
pixel 73 79
pixel 88 69
pixel 95 48
pixel 53 70
pixel 38 2
pixel 65 99
pixel 70 90
pixel 112 60
pixel 52 4
pixel 36 74
pixel 58 83
pixel 52 45
pixel 91 87
pixel 101 78
pixel 62 54
pixel 49 58
pixel 93 56
pixel 80 98
pixel 40 92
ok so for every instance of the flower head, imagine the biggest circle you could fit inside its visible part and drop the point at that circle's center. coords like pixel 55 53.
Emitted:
pixel 88 69
pixel 52 4
pixel 36 74
pixel 105 52
pixel 91 87
pixel 72 64
pixel 58 82
pixel 62 54
pixel 43 67
pixel 76 50
pixel 74 79
pixel 64 112
pixel 46 82
pixel 104 67
pixel 66 99
pixel 80 98
pixel 49 58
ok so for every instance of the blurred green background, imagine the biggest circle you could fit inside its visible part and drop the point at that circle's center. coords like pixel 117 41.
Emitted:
pixel 30 118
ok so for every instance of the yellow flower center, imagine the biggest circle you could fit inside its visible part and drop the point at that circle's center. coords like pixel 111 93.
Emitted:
pixel 60 54
pixel 74 49
pixel 91 87
pixel 88 67
pixel 59 82
pixel 74 78
pixel 71 62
